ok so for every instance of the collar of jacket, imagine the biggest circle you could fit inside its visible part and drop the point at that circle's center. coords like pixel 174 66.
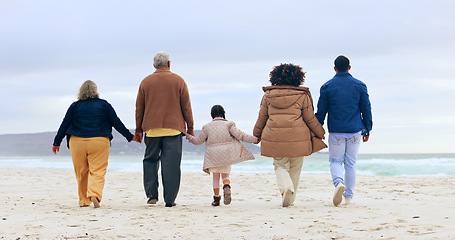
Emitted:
pixel 343 74
pixel 162 70
pixel 304 89
pixel 219 118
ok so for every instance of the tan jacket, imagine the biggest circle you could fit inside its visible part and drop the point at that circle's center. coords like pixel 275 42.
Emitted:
pixel 163 101
pixel 285 119
pixel 222 144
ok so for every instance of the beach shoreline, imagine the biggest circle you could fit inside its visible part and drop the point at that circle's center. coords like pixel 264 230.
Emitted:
pixel 367 164
pixel 43 204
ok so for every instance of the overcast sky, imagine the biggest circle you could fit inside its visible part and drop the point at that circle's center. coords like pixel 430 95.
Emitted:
pixel 402 50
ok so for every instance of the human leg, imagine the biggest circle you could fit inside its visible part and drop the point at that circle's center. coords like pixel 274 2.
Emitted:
pixel 352 151
pixel 216 189
pixel 226 188
pixel 98 155
pixel 171 157
pixel 284 181
pixel 283 178
pixel 337 148
pixel 295 168
pixel 81 169
pixel 226 179
pixel 216 183
pixel 150 164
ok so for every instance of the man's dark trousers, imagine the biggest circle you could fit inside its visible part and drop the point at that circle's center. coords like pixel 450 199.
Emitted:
pixel 168 151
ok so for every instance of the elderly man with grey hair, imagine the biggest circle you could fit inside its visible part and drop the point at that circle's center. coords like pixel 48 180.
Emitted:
pixel 163 112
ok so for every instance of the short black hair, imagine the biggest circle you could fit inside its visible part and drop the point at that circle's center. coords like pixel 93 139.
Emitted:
pixel 287 74
pixel 342 63
pixel 217 111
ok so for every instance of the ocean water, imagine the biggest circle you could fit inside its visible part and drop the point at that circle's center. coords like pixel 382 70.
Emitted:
pixel 367 164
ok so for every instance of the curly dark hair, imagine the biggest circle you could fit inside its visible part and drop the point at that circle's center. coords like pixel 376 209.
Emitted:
pixel 287 74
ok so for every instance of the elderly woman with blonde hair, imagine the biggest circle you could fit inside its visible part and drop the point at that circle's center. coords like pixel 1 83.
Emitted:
pixel 88 127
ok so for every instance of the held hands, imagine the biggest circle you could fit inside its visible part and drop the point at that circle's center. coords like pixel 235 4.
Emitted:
pixel 190 136
pixel 191 132
pixel 259 140
pixel 138 137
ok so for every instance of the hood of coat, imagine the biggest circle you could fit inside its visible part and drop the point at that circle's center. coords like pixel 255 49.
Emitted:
pixel 284 96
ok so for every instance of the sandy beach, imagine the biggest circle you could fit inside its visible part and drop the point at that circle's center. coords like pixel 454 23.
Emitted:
pixel 42 204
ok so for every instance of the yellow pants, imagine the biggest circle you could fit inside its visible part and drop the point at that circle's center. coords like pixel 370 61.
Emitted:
pixel 90 157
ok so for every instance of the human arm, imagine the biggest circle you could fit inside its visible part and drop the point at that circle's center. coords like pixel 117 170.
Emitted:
pixel 323 105
pixel 115 121
pixel 263 116
pixel 309 117
pixel 187 112
pixel 140 107
pixel 200 139
pixel 139 115
pixel 365 110
pixel 63 128
pixel 237 133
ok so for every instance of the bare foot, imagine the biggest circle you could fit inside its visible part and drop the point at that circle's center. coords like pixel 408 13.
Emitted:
pixel 95 202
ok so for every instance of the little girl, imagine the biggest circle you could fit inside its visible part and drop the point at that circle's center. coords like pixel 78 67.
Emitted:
pixel 222 149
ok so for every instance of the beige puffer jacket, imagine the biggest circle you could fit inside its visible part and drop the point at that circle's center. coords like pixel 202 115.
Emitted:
pixel 222 144
pixel 285 119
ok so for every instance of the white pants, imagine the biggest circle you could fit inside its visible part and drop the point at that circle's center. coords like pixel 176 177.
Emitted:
pixel 287 171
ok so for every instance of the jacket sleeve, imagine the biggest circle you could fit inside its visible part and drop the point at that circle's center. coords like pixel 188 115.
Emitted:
pixel 365 110
pixel 310 119
pixel 237 133
pixel 117 123
pixel 200 139
pixel 323 105
pixel 262 118
pixel 185 104
pixel 64 126
pixel 140 106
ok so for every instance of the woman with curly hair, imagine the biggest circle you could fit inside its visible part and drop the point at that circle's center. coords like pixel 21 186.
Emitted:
pixel 88 128
pixel 285 122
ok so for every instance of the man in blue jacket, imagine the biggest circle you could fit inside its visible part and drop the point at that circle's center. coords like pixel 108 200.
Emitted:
pixel 345 100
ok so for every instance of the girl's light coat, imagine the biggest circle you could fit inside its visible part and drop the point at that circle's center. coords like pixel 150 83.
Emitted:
pixel 222 144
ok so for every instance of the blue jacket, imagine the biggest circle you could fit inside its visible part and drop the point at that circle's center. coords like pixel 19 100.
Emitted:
pixel 92 117
pixel 347 103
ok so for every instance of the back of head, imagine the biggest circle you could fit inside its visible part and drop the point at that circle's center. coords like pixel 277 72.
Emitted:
pixel 287 74
pixel 342 63
pixel 217 111
pixel 160 60
pixel 88 90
